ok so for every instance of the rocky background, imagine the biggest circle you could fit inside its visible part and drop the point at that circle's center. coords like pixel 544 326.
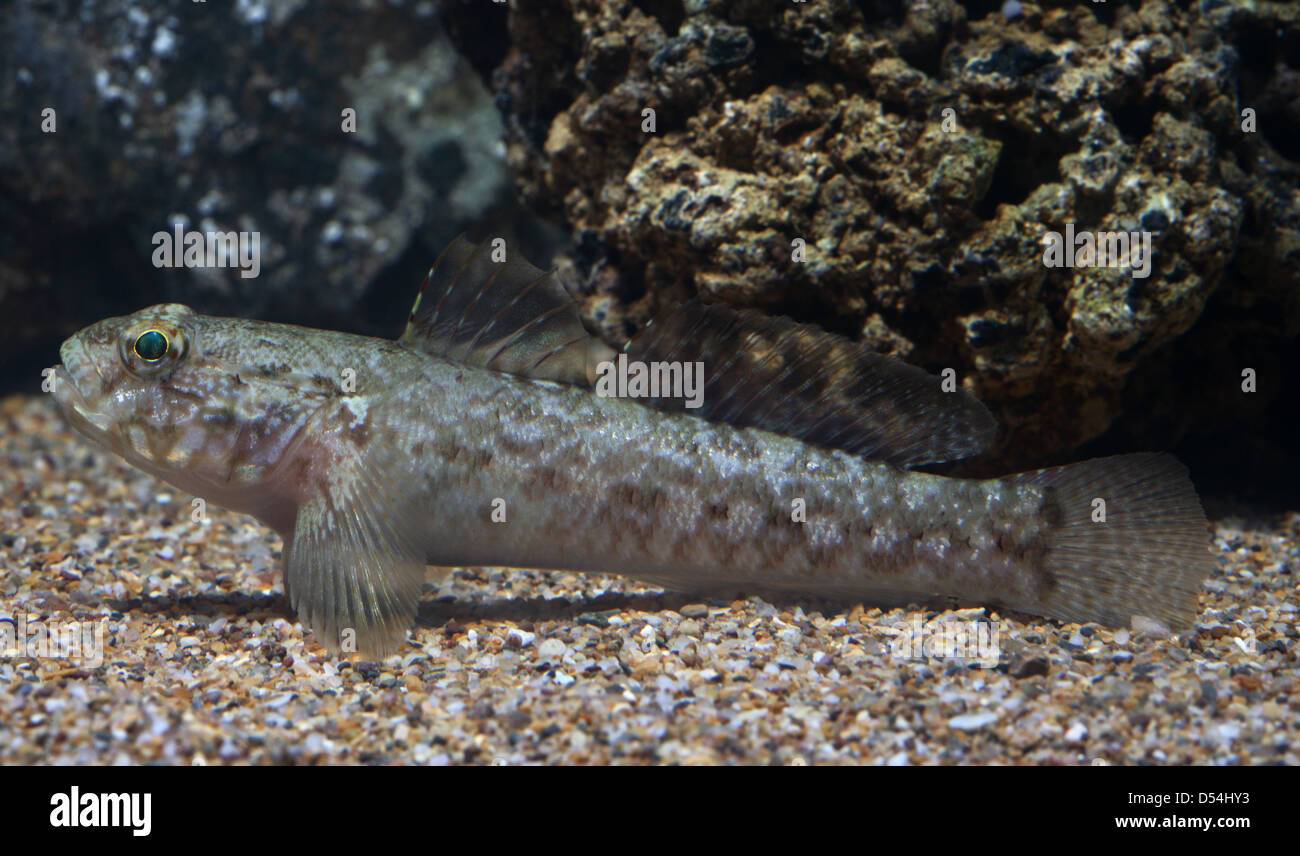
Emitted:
pixel 822 120
pixel 230 117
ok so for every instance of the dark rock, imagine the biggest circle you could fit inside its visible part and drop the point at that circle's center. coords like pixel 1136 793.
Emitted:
pixel 1013 60
pixel 1120 118
pixel 1029 666
pixel 1155 221
pixel 983 332
pixel 232 121
pixel 728 46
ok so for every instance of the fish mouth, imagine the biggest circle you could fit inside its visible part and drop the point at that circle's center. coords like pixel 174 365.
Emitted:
pixel 71 398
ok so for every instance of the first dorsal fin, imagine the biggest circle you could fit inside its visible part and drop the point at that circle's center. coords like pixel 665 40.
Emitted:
pixel 799 380
pixel 507 316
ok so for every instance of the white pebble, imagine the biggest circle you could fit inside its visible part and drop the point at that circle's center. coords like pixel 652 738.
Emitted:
pixel 519 638
pixel 551 649
pixel 972 721
pixel 1150 627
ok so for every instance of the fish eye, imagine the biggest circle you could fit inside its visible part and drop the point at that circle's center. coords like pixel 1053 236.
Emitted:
pixel 153 348
pixel 151 345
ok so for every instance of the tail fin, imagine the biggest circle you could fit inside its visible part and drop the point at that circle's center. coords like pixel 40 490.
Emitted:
pixel 1144 552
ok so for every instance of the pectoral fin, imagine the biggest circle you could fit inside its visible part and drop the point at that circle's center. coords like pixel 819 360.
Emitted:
pixel 352 569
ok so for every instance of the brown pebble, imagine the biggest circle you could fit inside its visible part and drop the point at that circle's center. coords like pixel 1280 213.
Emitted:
pixel 1029 666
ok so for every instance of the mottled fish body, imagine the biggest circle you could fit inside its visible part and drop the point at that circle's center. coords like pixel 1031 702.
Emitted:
pixel 476 439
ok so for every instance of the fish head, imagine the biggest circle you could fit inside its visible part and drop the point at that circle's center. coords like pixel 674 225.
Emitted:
pixel 211 405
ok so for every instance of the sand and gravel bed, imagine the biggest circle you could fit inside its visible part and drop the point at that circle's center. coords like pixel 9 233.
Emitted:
pixel 203 663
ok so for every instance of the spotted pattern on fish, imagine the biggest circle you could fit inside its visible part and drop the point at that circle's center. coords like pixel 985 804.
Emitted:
pixel 447 425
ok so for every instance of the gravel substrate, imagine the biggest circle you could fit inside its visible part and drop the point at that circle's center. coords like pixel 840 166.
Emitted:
pixel 202 662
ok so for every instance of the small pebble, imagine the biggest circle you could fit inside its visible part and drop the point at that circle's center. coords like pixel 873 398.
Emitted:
pixel 1028 667
pixel 551 649
pixel 1149 628
pixel 517 638
pixel 972 721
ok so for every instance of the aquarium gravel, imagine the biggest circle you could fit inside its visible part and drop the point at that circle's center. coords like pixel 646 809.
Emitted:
pixel 202 662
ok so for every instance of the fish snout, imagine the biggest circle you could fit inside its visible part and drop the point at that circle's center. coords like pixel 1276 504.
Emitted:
pixel 76 381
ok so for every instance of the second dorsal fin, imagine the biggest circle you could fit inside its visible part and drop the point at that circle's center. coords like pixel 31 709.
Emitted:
pixel 799 380
pixel 507 316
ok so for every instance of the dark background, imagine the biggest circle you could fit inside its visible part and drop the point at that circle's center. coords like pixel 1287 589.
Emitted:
pixel 526 123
